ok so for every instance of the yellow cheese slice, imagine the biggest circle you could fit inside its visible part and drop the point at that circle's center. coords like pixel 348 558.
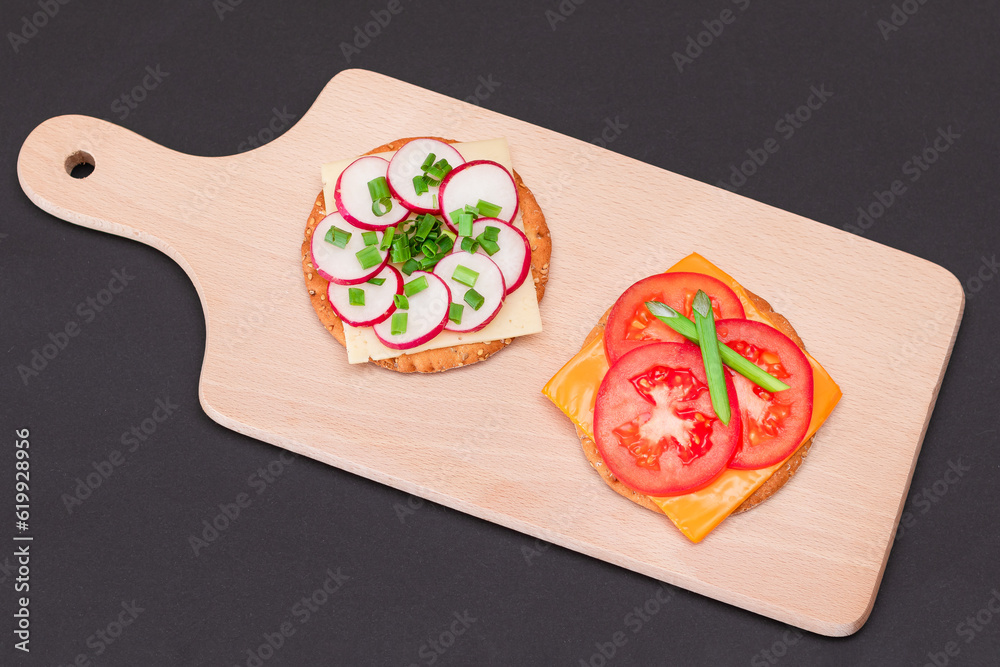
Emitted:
pixel 519 315
pixel 574 390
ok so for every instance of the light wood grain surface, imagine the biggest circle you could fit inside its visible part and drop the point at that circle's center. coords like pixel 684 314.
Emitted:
pixel 812 556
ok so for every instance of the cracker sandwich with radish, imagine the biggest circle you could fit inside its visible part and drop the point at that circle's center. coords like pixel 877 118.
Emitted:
pixel 693 398
pixel 426 254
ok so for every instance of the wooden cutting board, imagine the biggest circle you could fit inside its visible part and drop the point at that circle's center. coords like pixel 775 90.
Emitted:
pixel 811 556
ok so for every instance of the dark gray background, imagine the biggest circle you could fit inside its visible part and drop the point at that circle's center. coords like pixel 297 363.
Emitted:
pixel 225 75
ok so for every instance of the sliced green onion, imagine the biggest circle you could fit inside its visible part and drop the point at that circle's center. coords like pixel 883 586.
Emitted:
pixel 730 357
pixel 398 324
pixel 443 166
pixel 355 296
pixel 457 212
pixel 415 286
pixel 419 185
pixel 427 263
pixel 381 206
pixel 369 257
pixel 455 312
pixel 438 170
pixel 377 281
pixel 378 188
pixel 704 322
pixel 491 247
pixel 400 250
pixel 387 236
pixel 371 238
pixel 434 201
pixel 337 237
pixel 410 266
pixel 473 210
pixel 447 232
pixel 445 243
pixel 429 248
pixel 465 275
pixel 465 221
pixel 428 161
pixel 427 223
pixel 474 299
pixel 469 244
pixel 401 301
pixel 488 210
pixel 492 233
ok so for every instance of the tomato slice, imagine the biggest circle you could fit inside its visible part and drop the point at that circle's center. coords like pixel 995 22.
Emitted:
pixel 654 424
pixel 630 325
pixel 773 424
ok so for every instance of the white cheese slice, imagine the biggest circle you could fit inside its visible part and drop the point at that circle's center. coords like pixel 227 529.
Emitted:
pixel 519 315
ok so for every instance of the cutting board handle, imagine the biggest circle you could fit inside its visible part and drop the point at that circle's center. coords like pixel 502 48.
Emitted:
pixel 126 193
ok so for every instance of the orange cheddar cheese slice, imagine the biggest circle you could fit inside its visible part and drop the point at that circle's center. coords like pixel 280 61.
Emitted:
pixel 574 390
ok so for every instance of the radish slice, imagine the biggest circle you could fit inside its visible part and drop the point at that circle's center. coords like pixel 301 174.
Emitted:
pixel 489 284
pixel 514 256
pixel 378 299
pixel 480 179
pixel 341 265
pixel 355 202
pixel 425 316
pixel 407 163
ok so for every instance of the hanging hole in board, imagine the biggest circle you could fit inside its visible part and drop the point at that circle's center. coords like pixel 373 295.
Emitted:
pixel 80 164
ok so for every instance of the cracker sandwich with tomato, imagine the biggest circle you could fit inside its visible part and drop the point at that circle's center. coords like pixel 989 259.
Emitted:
pixel 692 397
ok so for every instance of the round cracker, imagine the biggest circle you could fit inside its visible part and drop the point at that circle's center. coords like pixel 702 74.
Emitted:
pixel 441 359
pixel 763 492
